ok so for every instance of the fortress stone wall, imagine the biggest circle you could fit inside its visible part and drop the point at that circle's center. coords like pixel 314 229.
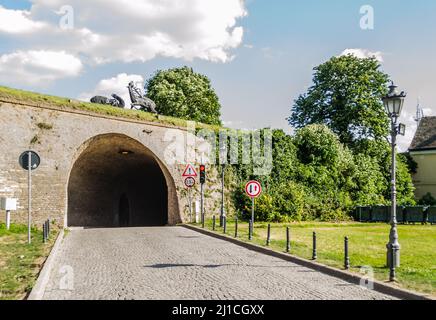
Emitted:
pixel 61 137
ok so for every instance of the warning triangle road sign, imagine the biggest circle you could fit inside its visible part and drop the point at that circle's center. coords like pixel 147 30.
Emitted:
pixel 189 171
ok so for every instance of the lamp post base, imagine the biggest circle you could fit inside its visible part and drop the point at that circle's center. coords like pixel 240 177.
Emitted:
pixel 393 252
pixel 222 218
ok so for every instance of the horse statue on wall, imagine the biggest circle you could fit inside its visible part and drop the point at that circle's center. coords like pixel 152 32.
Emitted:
pixel 140 101
pixel 117 101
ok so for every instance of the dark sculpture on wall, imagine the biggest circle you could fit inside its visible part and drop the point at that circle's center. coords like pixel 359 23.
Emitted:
pixel 117 101
pixel 140 101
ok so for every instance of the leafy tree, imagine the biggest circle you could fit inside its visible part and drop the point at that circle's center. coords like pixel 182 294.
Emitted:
pixel 380 154
pixel 369 183
pixel 284 157
pixel 326 169
pixel 317 145
pixel 405 188
pixel 182 93
pixel 345 96
pixel 411 163
pixel 427 200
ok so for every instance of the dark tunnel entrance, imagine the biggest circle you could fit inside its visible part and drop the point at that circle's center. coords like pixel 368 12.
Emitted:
pixel 117 182
pixel 124 211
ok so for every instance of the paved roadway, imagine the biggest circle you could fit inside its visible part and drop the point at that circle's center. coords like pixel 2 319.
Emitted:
pixel 177 263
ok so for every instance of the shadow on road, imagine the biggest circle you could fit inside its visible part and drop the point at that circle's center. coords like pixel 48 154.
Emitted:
pixel 174 265
pixel 189 237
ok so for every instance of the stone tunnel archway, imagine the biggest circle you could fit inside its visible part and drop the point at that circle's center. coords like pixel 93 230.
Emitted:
pixel 117 182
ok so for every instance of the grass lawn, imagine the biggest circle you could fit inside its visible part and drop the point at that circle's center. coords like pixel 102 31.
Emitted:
pixel 367 247
pixel 20 262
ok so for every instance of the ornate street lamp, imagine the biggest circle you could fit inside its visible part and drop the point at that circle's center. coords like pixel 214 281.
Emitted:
pixel 393 104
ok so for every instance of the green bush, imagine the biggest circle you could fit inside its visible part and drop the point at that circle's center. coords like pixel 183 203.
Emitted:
pixel 289 201
pixel 265 208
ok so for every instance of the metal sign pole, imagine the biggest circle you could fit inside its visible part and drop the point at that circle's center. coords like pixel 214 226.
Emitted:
pixel 190 204
pixel 252 212
pixel 202 205
pixel 29 178
pixel 201 196
pixel 253 189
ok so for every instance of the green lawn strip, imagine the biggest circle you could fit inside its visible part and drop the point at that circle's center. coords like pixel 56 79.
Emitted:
pixel 367 247
pixel 20 262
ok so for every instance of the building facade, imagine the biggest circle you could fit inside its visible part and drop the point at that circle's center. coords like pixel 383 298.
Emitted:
pixel 423 151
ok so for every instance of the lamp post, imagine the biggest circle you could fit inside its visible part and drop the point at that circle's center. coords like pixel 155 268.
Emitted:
pixel 393 103
pixel 223 155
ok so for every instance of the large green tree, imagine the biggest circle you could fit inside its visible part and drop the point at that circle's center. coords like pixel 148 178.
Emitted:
pixel 182 93
pixel 345 96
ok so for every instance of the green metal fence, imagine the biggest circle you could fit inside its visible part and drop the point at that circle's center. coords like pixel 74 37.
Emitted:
pixel 431 215
pixel 411 214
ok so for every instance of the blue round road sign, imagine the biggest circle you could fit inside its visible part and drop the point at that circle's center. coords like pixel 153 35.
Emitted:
pixel 35 160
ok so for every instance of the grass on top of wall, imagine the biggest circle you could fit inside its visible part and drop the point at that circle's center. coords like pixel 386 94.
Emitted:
pixel 10 94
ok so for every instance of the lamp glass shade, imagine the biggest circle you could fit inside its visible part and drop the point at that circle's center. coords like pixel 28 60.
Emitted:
pixel 394 102
pixel 394 105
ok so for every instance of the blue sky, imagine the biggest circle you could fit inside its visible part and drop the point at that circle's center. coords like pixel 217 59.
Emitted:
pixel 272 64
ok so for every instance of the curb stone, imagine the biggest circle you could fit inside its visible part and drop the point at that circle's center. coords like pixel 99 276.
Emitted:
pixel 38 290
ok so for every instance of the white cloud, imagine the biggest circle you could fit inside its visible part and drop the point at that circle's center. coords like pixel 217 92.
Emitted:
pixel 232 123
pixel 363 53
pixel 427 111
pixel 17 21
pixel 408 118
pixel 127 31
pixel 38 67
pixel 117 85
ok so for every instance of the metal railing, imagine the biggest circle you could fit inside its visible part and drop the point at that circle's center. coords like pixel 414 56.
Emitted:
pixel 405 215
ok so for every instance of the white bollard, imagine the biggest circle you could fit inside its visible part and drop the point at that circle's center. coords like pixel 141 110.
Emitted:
pixel 8 204
pixel 8 219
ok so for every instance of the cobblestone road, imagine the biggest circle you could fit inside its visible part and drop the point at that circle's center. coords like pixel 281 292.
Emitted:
pixel 177 263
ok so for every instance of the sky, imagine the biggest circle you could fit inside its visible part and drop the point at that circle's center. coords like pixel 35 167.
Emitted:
pixel 259 54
